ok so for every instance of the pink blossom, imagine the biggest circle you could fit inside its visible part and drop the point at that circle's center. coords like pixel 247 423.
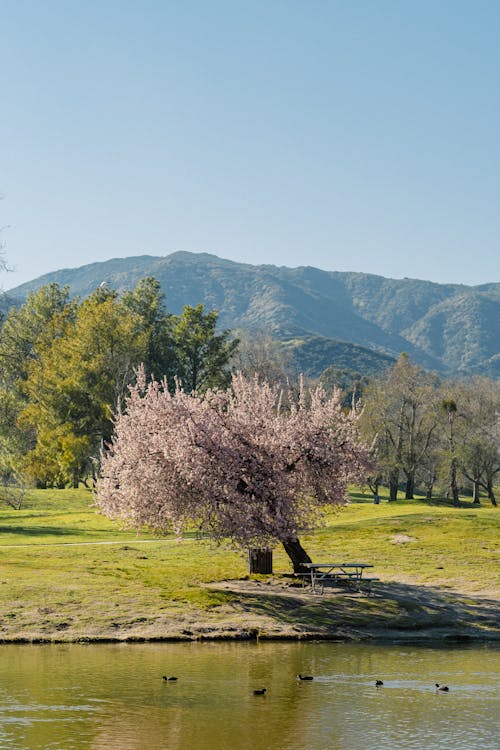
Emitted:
pixel 250 464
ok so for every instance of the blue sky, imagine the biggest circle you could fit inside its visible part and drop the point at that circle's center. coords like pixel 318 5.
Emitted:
pixel 354 135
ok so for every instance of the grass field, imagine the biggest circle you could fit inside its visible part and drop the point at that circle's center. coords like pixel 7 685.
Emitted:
pixel 67 573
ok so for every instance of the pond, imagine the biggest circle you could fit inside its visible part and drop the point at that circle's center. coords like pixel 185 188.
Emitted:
pixel 74 697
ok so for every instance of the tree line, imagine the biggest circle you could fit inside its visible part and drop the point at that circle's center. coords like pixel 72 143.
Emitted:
pixel 431 434
pixel 66 366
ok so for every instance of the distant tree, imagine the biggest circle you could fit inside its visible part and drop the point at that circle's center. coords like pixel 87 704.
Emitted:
pixel 147 301
pixel 479 439
pixel 399 419
pixel 352 383
pixel 450 413
pixel 428 467
pixel 22 327
pixel 13 490
pixel 259 354
pixel 241 462
pixel 202 356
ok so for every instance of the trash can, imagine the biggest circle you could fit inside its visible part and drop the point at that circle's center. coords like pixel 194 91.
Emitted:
pixel 260 560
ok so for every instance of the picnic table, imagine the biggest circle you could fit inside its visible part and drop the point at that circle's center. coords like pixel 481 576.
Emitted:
pixel 350 574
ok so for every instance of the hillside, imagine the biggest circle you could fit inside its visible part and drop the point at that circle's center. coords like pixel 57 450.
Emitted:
pixel 312 355
pixel 451 328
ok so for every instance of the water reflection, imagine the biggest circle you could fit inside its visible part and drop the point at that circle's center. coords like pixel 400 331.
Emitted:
pixel 94 697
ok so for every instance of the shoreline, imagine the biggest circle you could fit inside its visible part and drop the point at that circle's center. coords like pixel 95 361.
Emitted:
pixel 438 581
pixel 278 609
pixel 393 637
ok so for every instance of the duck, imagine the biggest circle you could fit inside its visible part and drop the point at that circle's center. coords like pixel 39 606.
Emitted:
pixel 260 691
pixel 379 683
pixel 169 679
pixel 305 677
pixel 442 688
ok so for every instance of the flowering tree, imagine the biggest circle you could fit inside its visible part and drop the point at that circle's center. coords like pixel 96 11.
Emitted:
pixel 244 463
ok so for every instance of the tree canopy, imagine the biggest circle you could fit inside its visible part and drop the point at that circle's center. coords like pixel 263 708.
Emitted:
pixel 248 463
pixel 66 364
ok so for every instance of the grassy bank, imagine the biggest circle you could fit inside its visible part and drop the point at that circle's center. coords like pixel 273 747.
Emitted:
pixel 67 573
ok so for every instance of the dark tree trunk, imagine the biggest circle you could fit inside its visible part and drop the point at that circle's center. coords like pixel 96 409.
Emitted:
pixel 393 485
pixel 452 493
pixel 374 488
pixel 429 491
pixel 410 487
pixel 491 494
pixel 297 555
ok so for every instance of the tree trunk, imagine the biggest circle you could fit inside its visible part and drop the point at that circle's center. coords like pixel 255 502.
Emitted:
pixel 374 488
pixel 491 494
pixel 393 484
pixel 429 491
pixel 410 487
pixel 452 493
pixel 297 555
pixel 475 492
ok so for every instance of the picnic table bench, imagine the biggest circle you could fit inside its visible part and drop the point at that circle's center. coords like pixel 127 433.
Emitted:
pixel 348 574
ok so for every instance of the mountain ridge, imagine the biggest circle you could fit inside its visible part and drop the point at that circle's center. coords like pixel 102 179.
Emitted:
pixel 450 328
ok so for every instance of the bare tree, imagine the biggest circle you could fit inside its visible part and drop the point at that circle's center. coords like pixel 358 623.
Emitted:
pixel 400 419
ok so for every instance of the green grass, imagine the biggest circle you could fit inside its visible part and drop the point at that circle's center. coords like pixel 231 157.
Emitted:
pixel 55 517
pixel 452 547
pixel 67 572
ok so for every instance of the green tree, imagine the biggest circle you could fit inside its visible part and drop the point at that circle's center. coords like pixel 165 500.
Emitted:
pixel 18 336
pixel 352 383
pixel 82 371
pixel 66 365
pixel 147 301
pixel 202 356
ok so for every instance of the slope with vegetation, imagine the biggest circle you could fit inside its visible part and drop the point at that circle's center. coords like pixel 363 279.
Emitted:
pixel 451 328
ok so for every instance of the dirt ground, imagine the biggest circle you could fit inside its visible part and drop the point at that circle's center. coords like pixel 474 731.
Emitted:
pixel 282 608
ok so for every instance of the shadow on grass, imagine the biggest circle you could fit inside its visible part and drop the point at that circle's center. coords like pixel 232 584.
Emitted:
pixel 360 498
pixel 363 498
pixel 40 531
pixel 402 522
pixel 394 607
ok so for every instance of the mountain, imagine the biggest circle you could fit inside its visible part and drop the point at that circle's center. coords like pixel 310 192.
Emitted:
pixel 451 328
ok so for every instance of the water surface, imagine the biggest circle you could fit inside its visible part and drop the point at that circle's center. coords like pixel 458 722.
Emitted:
pixel 77 697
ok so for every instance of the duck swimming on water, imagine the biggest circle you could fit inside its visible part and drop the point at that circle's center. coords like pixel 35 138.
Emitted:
pixel 442 688
pixel 379 683
pixel 260 691
pixel 169 679
pixel 305 677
